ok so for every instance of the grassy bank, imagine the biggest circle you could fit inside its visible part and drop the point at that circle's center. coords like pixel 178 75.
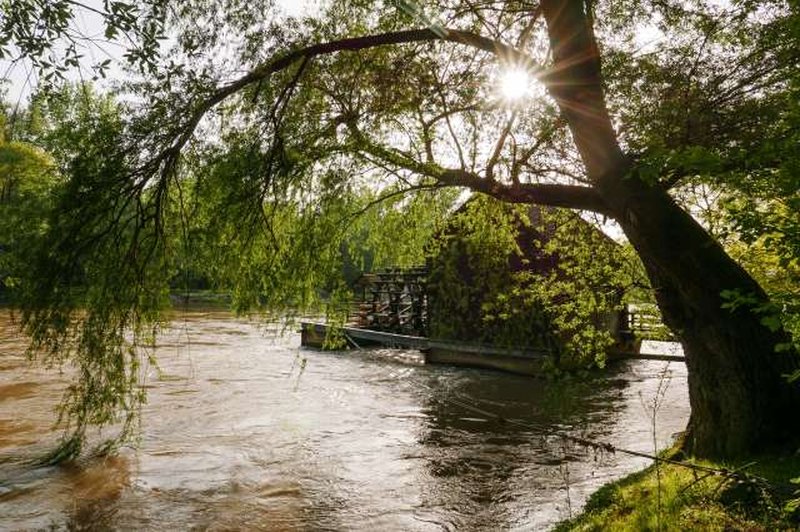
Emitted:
pixel 671 497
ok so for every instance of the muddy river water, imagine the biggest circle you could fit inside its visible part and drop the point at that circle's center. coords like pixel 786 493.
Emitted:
pixel 245 430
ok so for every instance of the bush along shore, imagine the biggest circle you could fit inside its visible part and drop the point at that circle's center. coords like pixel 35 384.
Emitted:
pixel 755 493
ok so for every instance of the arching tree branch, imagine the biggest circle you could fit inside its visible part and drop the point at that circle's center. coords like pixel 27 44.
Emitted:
pixel 554 195
pixel 280 63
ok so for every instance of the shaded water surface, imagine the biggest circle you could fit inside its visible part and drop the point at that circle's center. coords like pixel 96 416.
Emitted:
pixel 246 431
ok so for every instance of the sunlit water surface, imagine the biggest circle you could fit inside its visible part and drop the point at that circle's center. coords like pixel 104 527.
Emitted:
pixel 244 430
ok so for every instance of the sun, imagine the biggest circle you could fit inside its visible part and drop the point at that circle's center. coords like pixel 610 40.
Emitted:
pixel 514 84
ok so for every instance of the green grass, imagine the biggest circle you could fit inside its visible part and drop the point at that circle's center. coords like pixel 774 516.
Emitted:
pixel 691 500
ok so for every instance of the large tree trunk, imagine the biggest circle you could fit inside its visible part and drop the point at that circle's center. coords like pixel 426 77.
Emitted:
pixel 739 397
pixel 740 400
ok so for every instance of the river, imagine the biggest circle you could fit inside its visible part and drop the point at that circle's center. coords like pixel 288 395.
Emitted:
pixel 245 430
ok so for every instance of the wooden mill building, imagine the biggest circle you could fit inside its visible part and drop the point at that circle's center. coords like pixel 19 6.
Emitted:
pixel 465 295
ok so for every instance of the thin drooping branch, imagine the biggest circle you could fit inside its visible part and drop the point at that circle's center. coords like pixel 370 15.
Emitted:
pixel 524 37
pixel 552 170
pixel 394 194
pixel 450 128
pixel 498 148
pixel 453 111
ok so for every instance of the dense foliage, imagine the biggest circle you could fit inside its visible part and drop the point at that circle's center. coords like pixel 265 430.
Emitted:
pixel 541 279
pixel 27 177
pixel 713 112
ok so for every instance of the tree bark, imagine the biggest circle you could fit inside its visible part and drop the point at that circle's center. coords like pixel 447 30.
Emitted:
pixel 741 403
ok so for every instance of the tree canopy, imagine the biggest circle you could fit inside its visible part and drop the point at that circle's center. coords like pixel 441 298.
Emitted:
pixel 286 127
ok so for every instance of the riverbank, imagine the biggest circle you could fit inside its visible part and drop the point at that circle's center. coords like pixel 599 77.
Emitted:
pixel 671 497
pixel 200 297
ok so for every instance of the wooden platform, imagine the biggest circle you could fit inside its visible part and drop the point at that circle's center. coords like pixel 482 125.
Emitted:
pixel 454 353
pixel 313 335
pixel 483 356
pixel 436 352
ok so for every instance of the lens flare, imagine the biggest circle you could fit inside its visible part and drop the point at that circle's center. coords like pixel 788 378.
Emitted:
pixel 514 84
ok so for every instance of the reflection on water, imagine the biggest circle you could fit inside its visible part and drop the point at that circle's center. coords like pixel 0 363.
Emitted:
pixel 247 431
